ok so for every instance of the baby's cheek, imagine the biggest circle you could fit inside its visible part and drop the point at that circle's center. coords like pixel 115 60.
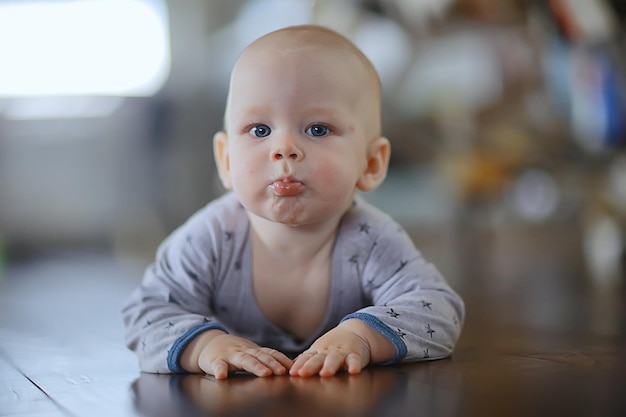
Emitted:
pixel 336 182
pixel 344 168
pixel 244 178
pixel 245 168
pixel 329 175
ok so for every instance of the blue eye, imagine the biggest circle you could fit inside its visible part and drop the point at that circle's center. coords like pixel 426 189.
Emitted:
pixel 260 131
pixel 318 131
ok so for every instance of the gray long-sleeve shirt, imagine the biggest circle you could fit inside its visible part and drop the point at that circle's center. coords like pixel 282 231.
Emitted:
pixel 202 279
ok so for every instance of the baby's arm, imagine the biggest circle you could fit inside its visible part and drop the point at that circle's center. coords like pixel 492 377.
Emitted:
pixel 217 353
pixel 351 346
pixel 173 306
pixel 411 303
pixel 172 328
pixel 413 313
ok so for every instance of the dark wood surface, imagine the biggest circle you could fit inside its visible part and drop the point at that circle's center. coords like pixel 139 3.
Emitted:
pixel 556 350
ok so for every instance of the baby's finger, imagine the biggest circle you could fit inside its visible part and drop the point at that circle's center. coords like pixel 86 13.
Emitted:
pixel 280 357
pixel 332 363
pixel 265 357
pixel 354 363
pixel 250 363
pixel 219 369
pixel 297 363
pixel 307 365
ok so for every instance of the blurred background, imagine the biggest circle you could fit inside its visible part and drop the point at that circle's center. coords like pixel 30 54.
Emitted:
pixel 507 122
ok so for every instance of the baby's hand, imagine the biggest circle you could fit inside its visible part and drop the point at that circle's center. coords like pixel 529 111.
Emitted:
pixel 339 349
pixel 221 353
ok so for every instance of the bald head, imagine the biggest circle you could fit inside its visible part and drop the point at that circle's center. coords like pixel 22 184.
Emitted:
pixel 316 49
pixel 298 39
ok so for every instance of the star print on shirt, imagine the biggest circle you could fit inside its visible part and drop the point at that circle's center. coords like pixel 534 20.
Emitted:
pixel 171 299
pixel 426 354
pixel 400 333
pixel 169 325
pixel 237 265
pixel 354 260
pixel 430 331
pixel 402 265
pixel 426 304
pixel 392 313
pixel 148 323
pixel 370 285
pixel 364 228
pixel 228 235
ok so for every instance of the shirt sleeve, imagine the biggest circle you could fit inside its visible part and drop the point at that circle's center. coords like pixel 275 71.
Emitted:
pixel 173 303
pixel 411 303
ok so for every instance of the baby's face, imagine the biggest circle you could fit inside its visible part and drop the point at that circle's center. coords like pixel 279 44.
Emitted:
pixel 299 122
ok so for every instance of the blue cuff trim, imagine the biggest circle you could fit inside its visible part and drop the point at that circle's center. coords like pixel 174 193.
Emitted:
pixel 181 343
pixel 386 331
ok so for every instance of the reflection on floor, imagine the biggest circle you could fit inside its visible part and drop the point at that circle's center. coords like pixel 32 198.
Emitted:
pixel 526 292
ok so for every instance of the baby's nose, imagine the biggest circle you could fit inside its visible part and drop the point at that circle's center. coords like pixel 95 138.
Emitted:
pixel 287 150
pixel 281 155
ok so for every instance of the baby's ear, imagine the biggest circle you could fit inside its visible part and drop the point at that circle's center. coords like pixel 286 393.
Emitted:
pixel 377 163
pixel 222 158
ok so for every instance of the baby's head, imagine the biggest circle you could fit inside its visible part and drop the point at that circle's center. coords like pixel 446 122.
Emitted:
pixel 302 125
pixel 320 51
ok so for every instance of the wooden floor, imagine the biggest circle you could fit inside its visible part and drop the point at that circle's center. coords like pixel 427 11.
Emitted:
pixel 539 340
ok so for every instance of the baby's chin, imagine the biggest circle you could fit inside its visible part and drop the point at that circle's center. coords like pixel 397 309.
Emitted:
pixel 289 210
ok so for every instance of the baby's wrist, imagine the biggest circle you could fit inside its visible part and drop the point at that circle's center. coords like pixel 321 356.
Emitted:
pixel 189 360
pixel 380 348
pixel 359 329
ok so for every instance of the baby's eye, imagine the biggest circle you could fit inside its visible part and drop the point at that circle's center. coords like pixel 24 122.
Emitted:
pixel 318 130
pixel 260 131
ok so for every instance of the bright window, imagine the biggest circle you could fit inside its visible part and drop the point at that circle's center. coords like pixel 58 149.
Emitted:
pixel 83 47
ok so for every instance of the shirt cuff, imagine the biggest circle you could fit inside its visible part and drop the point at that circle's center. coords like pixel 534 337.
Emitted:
pixel 173 356
pixel 386 331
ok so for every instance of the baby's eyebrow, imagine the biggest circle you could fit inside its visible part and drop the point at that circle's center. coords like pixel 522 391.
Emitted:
pixel 323 111
pixel 250 112
pixel 258 112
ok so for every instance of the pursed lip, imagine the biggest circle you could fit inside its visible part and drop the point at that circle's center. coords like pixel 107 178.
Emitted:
pixel 286 186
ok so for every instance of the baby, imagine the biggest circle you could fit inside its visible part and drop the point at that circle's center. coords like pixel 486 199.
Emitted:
pixel 291 271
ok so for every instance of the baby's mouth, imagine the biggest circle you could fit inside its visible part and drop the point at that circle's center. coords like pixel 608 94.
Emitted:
pixel 285 187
